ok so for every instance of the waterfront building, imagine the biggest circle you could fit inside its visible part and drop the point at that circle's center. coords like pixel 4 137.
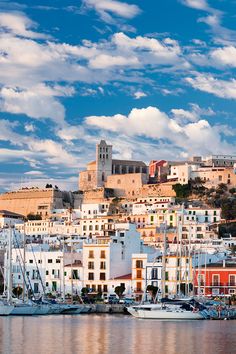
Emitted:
pixel 47 269
pixel 147 269
pixel 107 258
pixel 216 279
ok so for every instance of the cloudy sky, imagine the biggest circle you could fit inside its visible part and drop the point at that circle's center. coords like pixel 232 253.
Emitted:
pixel 154 78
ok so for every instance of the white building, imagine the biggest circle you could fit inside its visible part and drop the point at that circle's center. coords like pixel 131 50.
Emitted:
pixel 44 268
pixel 106 259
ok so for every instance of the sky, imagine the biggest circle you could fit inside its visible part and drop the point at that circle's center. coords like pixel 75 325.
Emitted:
pixel 154 78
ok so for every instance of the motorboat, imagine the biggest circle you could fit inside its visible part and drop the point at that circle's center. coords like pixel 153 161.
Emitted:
pixel 166 311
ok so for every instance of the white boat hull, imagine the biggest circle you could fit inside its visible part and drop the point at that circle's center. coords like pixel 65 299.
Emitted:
pixel 42 310
pixel 24 310
pixel 164 314
pixel 6 310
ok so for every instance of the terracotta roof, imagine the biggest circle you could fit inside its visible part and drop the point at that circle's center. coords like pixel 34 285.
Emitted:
pixel 127 276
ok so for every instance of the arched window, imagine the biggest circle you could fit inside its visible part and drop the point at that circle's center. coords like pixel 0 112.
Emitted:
pixel 89 177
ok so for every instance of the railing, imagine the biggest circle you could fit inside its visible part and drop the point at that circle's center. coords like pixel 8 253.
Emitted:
pixel 218 284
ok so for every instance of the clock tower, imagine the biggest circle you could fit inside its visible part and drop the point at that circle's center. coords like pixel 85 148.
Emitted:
pixel 103 162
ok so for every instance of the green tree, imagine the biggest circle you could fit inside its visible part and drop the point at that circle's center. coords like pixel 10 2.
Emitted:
pixel 17 291
pixel 32 216
pixel 119 290
pixel 152 290
pixel 181 190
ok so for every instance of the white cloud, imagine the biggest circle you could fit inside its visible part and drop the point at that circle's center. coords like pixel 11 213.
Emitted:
pixel 34 173
pixel 18 23
pixel 107 8
pixel 196 4
pixel 139 94
pixel 207 83
pixel 105 61
pixel 193 115
pixel 36 102
pixel 190 135
pixel 29 127
pixel 225 56
pixel 53 152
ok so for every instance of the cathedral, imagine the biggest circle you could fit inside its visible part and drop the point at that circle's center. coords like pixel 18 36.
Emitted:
pixel 107 172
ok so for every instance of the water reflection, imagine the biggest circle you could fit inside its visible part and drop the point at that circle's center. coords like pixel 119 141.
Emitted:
pixel 105 334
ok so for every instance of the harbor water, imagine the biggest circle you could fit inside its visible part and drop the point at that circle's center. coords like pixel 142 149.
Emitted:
pixel 105 334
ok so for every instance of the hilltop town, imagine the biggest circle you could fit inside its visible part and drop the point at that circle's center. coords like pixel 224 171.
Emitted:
pixel 114 231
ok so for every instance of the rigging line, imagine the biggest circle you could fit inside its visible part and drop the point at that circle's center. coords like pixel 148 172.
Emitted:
pixel 38 271
pixel 28 278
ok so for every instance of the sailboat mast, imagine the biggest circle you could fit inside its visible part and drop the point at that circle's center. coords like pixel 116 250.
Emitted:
pixel 163 290
pixel 63 270
pixel 23 294
pixel 9 266
pixel 71 265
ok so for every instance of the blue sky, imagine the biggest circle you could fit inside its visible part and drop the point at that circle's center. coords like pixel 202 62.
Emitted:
pixel 154 78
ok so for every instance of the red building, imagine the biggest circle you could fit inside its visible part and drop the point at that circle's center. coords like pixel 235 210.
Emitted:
pixel 158 169
pixel 216 279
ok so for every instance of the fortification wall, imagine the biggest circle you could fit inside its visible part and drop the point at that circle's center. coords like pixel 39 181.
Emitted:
pixel 35 201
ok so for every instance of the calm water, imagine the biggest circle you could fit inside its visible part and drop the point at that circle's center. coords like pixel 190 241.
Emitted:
pixel 114 334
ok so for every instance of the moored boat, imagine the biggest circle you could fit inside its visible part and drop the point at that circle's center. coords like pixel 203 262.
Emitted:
pixel 167 312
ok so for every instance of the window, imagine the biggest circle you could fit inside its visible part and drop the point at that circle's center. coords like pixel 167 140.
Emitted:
pixel 232 280
pixel 49 260
pixel 105 288
pixel 75 274
pixel 103 254
pixel 102 265
pixel 206 218
pixel 139 274
pixel 139 286
pixel 90 265
pixel 102 276
pixel 152 218
pixel 154 273
pixel 58 261
pixel 118 181
pixel 215 279
pixel 91 254
pixel 99 288
pixel 31 261
pixel 46 272
pixel 167 276
pixel 90 276
pixel 139 264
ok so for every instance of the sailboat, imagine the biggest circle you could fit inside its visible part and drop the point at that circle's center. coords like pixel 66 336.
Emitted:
pixel 168 310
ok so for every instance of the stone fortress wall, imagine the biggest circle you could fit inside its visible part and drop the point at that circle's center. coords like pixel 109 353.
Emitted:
pixel 35 201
